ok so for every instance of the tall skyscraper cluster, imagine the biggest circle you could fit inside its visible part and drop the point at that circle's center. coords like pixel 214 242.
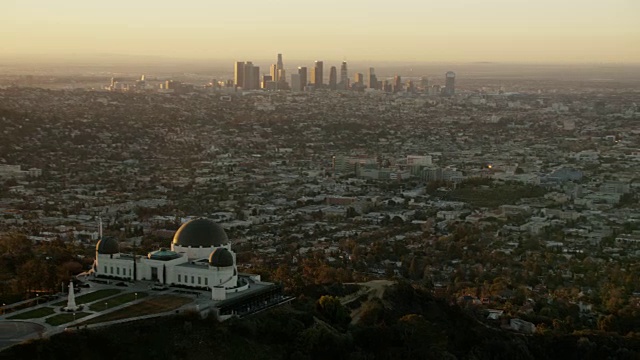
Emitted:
pixel 247 77
pixel 277 75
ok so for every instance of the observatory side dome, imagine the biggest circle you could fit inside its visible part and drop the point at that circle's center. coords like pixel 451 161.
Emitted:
pixel 221 257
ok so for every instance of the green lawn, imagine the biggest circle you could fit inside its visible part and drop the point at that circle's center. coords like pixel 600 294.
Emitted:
pixel 64 318
pixel 34 314
pixel 91 297
pixel 116 301
pixel 151 306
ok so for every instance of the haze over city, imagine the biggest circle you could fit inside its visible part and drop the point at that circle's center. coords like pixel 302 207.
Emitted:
pixel 567 31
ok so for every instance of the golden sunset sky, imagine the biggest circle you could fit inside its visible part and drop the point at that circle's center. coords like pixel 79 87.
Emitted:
pixel 372 30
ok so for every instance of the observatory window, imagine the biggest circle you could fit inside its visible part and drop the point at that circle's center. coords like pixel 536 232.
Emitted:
pixel 192 280
pixel 118 270
pixel 105 269
pixel 206 281
pixel 112 269
pixel 199 280
pixel 179 278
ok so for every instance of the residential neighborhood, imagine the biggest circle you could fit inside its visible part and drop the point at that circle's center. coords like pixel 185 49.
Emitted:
pixel 518 199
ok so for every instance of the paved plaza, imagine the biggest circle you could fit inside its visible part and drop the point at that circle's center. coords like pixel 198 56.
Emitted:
pixel 14 332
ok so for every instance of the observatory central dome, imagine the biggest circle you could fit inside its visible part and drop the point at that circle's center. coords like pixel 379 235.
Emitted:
pixel 200 232
pixel 107 246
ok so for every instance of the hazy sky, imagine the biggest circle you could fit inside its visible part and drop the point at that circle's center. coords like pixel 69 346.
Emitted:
pixel 362 30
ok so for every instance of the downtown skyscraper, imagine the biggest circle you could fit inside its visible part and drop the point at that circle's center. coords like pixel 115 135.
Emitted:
pixel 278 75
pixel 279 64
pixel 304 79
pixel 317 76
pixel 333 78
pixel 246 75
pixel 450 84
pixel 344 77
pixel 238 74
pixel 373 79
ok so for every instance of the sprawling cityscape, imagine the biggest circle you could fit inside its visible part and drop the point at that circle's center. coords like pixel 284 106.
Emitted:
pixel 517 202
pixel 298 180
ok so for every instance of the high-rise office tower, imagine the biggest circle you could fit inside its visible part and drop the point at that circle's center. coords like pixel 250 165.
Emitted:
pixel 410 86
pixel 302 71
pixel 296 85
pixel 317 74
pixel 278 74
pixel 450 84
pixel 333 78
pixel 266 79
pixel 255 78
pixel 247 76
pixel 359 79
pixel 397 83
pixel 424 83
pixel 373 79
pixel 312 76
pixel 238 78
pixel 279 63
pixel 141 84
pixel 386 86
pixel 273 71
pixel 251 76
pixel 344 79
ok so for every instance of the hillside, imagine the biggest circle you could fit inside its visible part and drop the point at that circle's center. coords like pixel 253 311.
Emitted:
pixel 405 323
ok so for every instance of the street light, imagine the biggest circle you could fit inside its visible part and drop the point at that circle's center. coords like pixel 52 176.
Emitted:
pixel 105 306
pixel 74 317
pixel 37 299
pixel 136 294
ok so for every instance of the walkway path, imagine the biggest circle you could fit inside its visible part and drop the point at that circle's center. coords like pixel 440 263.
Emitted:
pixel 16 331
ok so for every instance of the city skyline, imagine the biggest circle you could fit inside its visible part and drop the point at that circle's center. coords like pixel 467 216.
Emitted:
pixel 457 31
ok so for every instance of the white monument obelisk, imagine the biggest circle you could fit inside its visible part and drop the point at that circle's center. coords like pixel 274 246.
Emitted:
pixel 71 301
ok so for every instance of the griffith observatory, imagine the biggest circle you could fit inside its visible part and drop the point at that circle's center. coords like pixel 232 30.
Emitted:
pixel 200 258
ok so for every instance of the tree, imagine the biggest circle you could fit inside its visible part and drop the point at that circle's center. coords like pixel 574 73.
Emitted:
pixel 372 312
pixel 331 309
pixel 607 323
pixel 419 336
pixel 416 268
